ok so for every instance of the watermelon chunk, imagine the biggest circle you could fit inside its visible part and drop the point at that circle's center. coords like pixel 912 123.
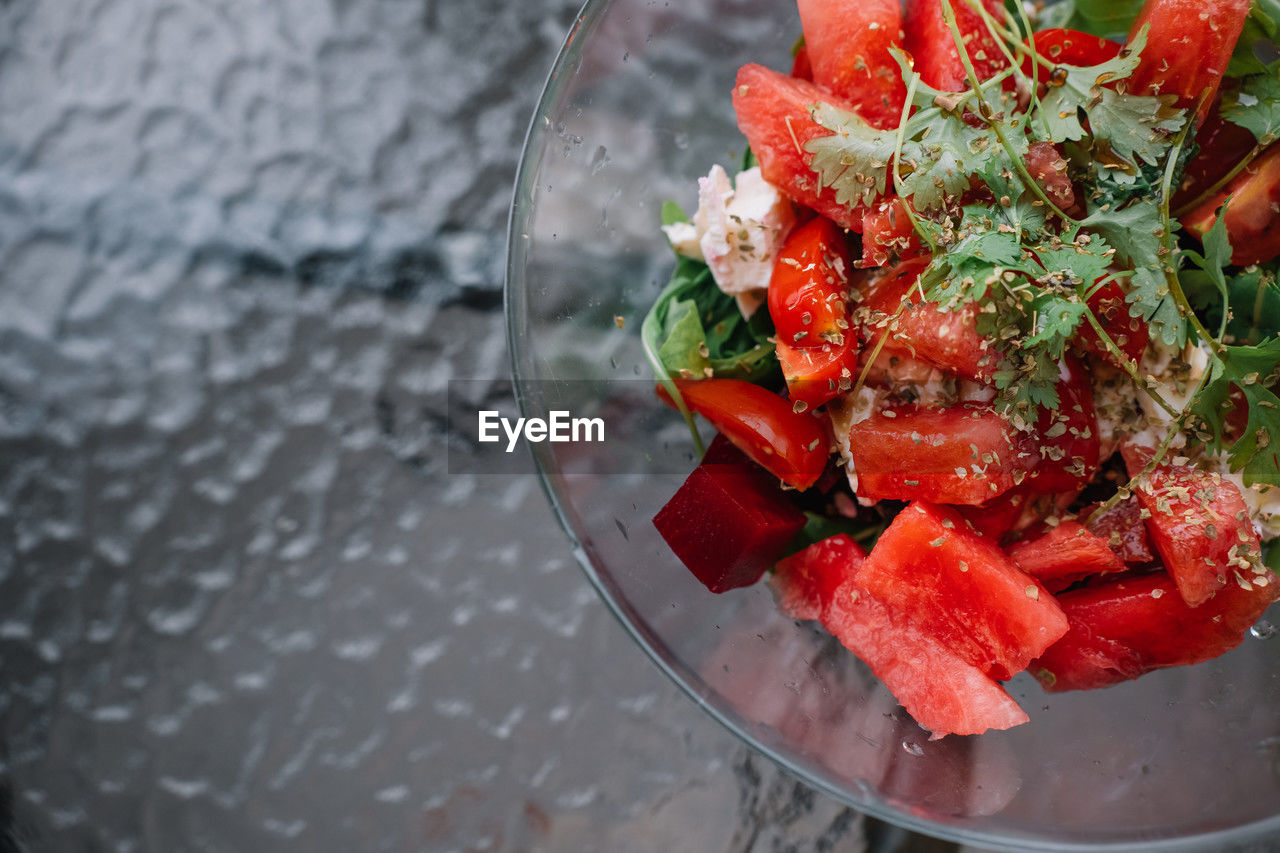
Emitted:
pixel 806 582
pixel 1126 626
pixel 1066 554
pixel 963 454
pixel 729 521
pixel 930 43
pixel 941 690
pixel 959 588
pixel 848 44
pixel 773 113
pixel 946 339
pixel 1122 528
pixel 1199 524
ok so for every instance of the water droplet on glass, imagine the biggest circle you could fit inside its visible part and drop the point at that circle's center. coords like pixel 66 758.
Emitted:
pixel 912 747
pixel 1263 630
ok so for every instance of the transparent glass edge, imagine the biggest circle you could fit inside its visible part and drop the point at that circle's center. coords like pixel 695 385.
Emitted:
pixel 514 305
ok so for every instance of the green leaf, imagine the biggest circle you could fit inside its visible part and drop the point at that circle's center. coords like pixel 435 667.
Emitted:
pixel 1135 127
pixel 1151 300
pixel 694 326
pixel 1110 19
pixel 684 348
pixel 854 159
pixel 1253 297
pixel 1262 25
pixel 673 213
pixel 1132 230
pixel 819 527
pixel 1057 318
pixel 1252 370
pixel 1255 106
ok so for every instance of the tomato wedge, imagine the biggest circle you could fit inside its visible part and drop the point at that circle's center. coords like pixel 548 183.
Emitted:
pixel 791 446
pixel 1252 216
pixel 1188 46
pixel 809 288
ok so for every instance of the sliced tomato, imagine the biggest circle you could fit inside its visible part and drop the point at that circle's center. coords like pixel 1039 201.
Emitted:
pixel 1253 215
pixel 1122 528
pixel 887 233
pixel 1068 47
pixel 930 42
pixel 773 113
pixel 1188 46
pixel 947 339
pixel 809 289
pixel 965 454
pixel 1126 626
pixel 807 581
pixel 1067 437
pixel 848 44
pixel 1199 524
pixel 729 521
pixel 1066 554
pixel 818 375
pixel 790 445
pixel 1129 333
pixel 1222 145
pixel 959 588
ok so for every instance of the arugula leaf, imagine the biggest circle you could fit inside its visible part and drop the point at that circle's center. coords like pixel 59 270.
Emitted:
pixel 694 328
pixel 1217 254
pixel 672 213
pixel 1255 106
pixel 1135 127
pixel 1252 370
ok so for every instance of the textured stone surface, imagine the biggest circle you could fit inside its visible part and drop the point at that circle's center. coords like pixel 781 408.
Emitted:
pixel 243 246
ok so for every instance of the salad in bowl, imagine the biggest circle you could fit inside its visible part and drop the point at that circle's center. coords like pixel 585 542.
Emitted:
pixel 987 323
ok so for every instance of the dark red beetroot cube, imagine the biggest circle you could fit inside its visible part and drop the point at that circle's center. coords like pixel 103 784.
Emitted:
pixel 1199 524
pixel 937 574
pixel 1066 554
pixel 729 521
pixel 806 581
pixel 1122 528
pixel 1128 625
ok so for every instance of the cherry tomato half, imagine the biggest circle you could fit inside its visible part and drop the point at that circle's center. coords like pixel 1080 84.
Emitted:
pixel 809 288
pixel 792 446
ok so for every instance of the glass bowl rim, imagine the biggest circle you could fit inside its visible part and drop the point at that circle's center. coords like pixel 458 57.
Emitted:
pixel 514 307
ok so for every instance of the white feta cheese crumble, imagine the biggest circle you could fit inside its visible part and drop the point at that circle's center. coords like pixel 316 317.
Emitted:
pixel 738 229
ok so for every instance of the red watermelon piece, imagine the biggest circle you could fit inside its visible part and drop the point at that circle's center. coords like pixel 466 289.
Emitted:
pixel 1199 524
pixel 848 44
pixel 773 113
pixel 807 581
pixel 1126 626
pixel 957 587
pixel 1066 554
pixel 941 690
pixel 1122 528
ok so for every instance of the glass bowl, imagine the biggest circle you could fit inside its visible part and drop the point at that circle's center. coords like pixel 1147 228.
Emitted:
pixel 637 107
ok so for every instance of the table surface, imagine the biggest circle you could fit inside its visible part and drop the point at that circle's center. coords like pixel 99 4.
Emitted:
pixel 244 244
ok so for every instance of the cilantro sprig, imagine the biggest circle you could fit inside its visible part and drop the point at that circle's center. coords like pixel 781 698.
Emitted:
pixel 1000 243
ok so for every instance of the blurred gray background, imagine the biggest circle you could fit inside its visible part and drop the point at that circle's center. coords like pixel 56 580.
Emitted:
pixel 243 606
